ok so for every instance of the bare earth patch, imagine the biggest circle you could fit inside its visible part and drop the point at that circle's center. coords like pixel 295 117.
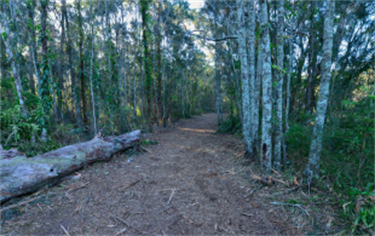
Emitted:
pixel 188 184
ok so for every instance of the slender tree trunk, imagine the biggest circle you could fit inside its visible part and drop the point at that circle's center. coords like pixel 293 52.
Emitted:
pixel 251 60
pixel 52 81
pixel 257 90
pixel 31 77
pixel 135 82
pixel 32 40
pixel 238 89
pixel 266 147
pixel 246 123
pixel 311 62
pixel 61 68
pixel 183 99
pixel 5 33
pixel 71 69
pixel 279 85
pixel 124 82
pixel 91 70
pixel 82 63
pixel 147 66
pixel 287 105
pixel 164 96
pixel 313 166
pixel 159 56
pixel 44 91
pixel 217 82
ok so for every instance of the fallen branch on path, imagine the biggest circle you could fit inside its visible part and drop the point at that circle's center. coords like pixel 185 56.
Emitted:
pixel 21 175
pixel 170 198
pixel 293 205
pixel 20 204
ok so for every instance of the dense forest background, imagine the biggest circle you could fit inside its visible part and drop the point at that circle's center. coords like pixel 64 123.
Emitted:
pixel 294 79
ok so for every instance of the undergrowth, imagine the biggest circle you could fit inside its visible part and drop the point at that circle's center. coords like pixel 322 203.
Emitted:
pixel 347 160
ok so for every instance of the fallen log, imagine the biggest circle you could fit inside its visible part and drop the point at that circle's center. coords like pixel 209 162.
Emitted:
pixel 21 175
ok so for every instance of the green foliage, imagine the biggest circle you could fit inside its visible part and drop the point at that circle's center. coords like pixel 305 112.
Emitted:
pixel 360 209
pixel 347 159
pixel 38 148
pixel 147 142
pixel 31 100
pixel 231 125
pixel 15 127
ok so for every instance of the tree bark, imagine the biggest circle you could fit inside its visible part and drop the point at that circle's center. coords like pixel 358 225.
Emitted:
pixel 21 175
pixel 147 60
pixel 279 85
pixel 246 122
pixel 266 147
pixel 91 70
pixel 313 166
pixel 44 90
pixel 309 87
pixel 5 33
pixel 71 69
pixel 82 63
pixel 251 59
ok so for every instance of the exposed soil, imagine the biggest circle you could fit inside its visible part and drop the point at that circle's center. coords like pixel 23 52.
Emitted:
pixel 187 184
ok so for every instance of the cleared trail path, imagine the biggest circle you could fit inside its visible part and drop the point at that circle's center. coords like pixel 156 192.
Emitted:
pixel 185 185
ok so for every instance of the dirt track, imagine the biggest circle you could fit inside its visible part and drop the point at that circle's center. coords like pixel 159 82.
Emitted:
pixel 185 185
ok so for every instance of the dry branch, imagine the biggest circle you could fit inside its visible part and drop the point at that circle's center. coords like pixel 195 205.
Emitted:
pixel 21 175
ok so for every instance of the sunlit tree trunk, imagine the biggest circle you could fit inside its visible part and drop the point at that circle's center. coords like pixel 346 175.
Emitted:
pixel 246 122
pixel 266 145
pixel 313 166
pixel 5 33
pixel 279 85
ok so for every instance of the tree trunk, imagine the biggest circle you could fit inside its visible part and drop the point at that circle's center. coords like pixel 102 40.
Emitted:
pixel 32 39
pixel 21 175
pixel 135 82
pixel 44 91
pixel 61 68
pixel 5 33
pixel 279 85
pixel 91 70
pixel 71 69
pixel 266 147
pixel 82 63
pixel 287 105
pixel 159 56
pixel 309 87
pixel 217 83
pixel 313 166
pixel 251 59
pixel 147 60
pixel 246 122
